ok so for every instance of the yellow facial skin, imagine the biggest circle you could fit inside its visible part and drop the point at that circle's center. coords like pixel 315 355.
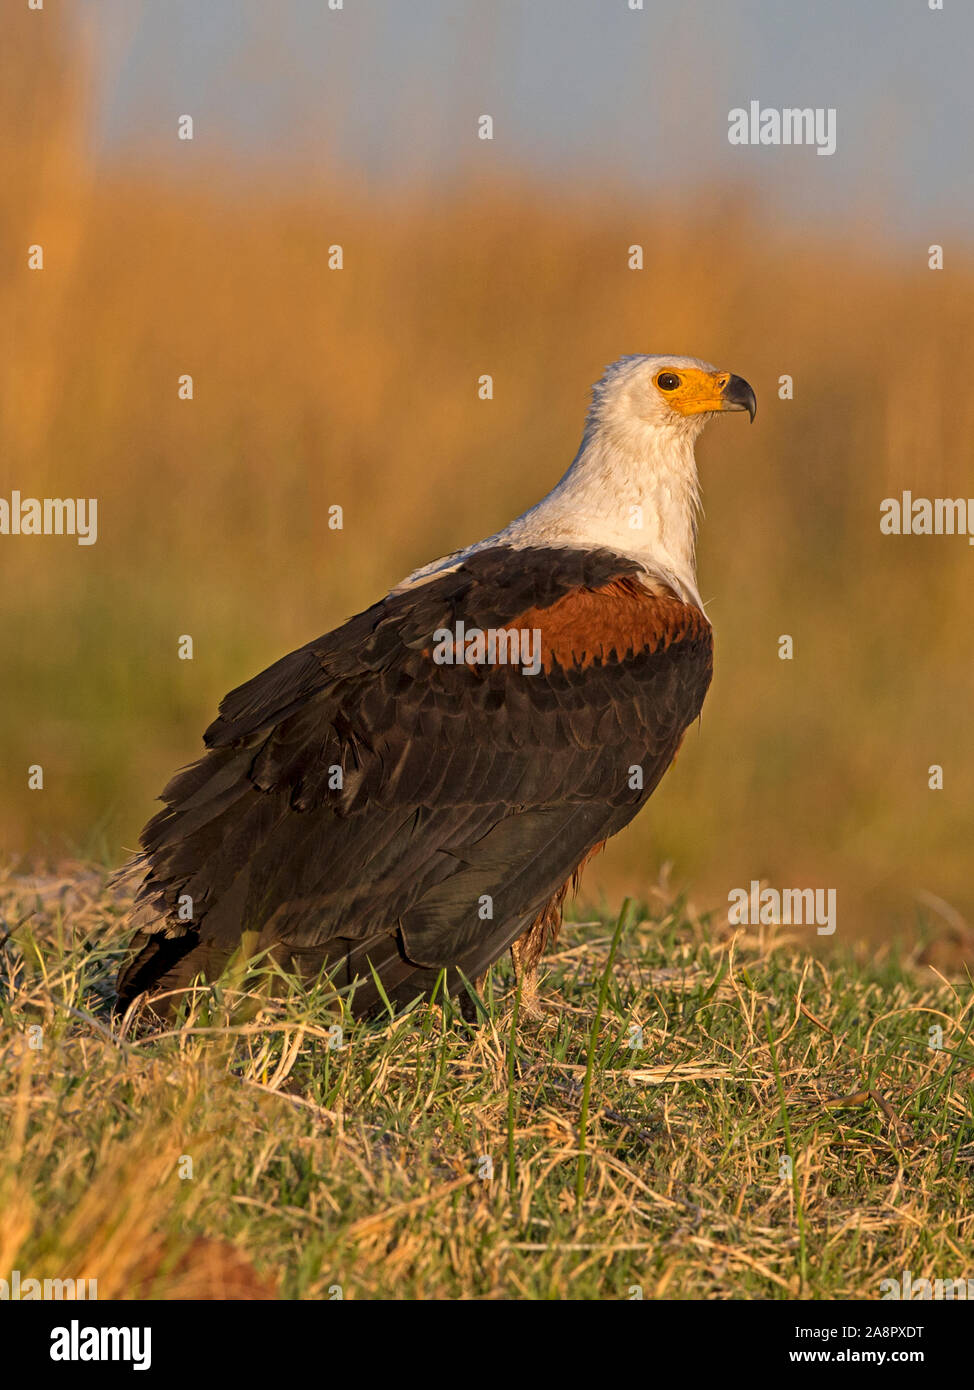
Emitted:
pixel 696 392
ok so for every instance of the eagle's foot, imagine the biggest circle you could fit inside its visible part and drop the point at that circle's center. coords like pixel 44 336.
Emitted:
pixel 530 1007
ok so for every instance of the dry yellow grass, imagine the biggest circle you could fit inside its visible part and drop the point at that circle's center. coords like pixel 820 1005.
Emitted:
pixel 425 1159
pixel 358 387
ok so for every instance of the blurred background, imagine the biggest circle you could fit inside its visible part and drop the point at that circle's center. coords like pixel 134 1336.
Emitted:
pixel 316 387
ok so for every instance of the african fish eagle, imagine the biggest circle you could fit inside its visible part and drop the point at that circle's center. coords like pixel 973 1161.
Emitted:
pixel 414 792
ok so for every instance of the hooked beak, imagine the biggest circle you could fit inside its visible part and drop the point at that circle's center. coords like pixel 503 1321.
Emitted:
pixel 736 394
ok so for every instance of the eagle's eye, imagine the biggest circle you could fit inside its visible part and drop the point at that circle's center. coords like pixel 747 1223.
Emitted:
pixel 667 381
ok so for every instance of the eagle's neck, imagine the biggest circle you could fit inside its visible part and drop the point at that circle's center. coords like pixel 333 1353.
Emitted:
pixel 638 497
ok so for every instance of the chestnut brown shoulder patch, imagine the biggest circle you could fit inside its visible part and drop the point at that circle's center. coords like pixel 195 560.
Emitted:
pixel 613 622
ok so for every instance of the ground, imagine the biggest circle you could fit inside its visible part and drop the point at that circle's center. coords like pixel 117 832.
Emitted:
pixel 718 1114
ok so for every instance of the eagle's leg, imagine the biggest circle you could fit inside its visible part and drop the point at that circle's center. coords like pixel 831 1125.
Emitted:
pixel 528 949
pixel 524 958
pixel 468 1005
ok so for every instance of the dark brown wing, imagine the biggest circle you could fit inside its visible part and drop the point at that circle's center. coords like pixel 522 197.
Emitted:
pixel 363 803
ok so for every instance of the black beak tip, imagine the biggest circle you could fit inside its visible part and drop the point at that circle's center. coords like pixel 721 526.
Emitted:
pixel 740 393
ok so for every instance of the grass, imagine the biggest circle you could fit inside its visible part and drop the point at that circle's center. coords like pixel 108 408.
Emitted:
pixel 424 1158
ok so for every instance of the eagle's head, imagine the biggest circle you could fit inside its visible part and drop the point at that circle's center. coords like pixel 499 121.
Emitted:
pixel 664 397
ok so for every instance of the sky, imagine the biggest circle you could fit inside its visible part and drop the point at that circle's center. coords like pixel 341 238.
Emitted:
pixel 580 91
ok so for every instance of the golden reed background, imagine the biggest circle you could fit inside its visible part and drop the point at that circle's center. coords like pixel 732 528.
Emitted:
pixel 359 387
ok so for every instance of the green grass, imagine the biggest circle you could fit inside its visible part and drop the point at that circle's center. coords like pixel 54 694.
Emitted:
pixel 365 1167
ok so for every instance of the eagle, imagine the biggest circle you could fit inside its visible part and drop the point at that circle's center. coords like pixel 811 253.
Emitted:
pixel 403 800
